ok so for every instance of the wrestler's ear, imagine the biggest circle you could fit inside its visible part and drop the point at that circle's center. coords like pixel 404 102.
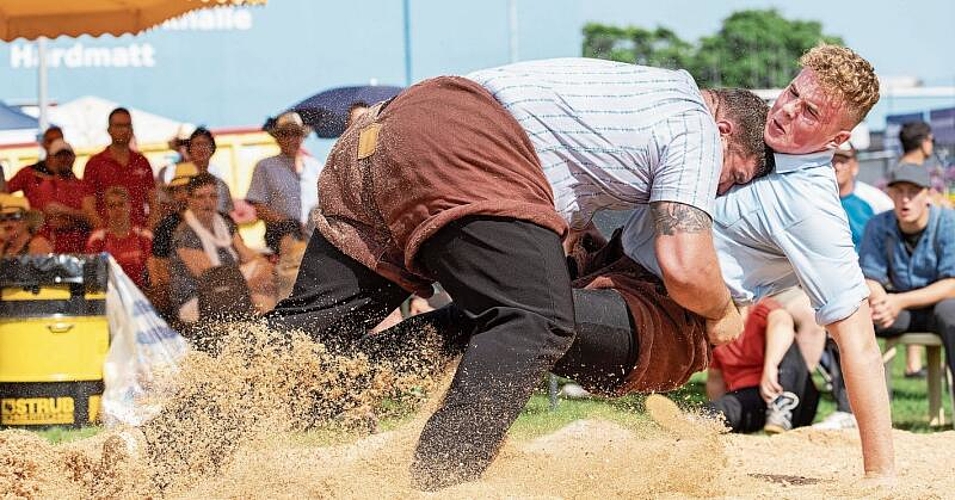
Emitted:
pixel 839 138
pixel 725 127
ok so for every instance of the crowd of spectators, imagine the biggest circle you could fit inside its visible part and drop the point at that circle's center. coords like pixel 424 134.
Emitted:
pixel 170 229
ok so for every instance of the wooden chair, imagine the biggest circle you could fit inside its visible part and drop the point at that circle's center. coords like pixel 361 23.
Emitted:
pixel 938 372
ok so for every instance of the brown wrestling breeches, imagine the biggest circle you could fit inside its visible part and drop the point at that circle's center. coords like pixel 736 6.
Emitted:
pixel 442 150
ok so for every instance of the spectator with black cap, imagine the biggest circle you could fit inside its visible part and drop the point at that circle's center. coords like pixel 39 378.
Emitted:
pixel 908 259
pixel 918 148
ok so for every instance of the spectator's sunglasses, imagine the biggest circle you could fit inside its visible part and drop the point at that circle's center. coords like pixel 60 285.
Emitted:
pixel 14 216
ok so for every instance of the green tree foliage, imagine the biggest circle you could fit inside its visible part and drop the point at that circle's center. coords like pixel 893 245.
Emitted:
pixel 753 48
pixel 660 47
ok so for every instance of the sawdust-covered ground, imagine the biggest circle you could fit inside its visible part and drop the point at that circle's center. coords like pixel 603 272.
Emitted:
pixel 586 459
pixel 235 429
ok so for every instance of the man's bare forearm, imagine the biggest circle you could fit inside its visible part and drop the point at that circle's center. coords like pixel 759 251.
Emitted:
pixel 865 380
pixel 929 295
pixel 687 257
pixel 780 333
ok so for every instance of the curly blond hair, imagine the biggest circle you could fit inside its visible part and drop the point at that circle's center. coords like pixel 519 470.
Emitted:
pixel 847 75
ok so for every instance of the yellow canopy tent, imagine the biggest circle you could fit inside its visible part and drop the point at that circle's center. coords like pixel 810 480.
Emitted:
pixel 32 19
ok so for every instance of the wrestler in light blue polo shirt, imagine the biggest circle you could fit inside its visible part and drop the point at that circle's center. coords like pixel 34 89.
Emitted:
pixel 784 229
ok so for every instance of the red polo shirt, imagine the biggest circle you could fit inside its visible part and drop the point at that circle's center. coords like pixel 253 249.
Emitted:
pixel 68 191
pixel 130 251
pixel 27 179
pixel 103 171
pixel 742 359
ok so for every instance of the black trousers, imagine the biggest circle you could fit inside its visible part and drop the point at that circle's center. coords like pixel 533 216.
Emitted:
pixel 603 352
pixel 509 280
pixel 744 410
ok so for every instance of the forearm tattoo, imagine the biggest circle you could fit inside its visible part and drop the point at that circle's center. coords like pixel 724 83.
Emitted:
pixel 671 218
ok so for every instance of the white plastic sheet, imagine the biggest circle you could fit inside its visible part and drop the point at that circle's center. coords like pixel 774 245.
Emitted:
pixel 144 354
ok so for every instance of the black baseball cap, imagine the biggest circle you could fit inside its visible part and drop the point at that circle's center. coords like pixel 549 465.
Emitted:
pixel 913 174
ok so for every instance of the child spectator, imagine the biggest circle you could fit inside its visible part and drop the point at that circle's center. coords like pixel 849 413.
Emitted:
pixel 760 380
pixel 130 245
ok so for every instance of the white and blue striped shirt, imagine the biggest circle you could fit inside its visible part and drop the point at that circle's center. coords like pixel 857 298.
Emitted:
pixel 612 135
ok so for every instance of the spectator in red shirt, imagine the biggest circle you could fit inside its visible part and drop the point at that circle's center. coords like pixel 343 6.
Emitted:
pixel 118 165
pixel 28 178
pixel 130 245
pixel 61 198
pixel 760 380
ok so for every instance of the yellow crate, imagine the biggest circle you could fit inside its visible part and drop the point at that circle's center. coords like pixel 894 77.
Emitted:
pixel 53 349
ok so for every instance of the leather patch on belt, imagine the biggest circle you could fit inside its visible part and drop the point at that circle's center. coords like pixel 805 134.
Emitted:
pixel 367 140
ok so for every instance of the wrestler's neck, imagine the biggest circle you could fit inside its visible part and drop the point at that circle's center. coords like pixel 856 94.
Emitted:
pixel 709 98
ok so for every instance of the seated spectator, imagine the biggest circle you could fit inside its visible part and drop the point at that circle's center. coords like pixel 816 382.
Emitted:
pixel 908 259
pixel 860 200
pixel 130 245
pixel 28 178
pixel 179 143
pixel 206 240
pixel 64 200
pixel 760 380
pixel 198 149
pixel 16 234
pixel 162 240
pixel 201 147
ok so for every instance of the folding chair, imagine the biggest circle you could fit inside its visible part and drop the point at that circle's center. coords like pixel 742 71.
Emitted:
pixel 938 372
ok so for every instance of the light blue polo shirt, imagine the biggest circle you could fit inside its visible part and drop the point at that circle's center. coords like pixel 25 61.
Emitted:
pixel 785 229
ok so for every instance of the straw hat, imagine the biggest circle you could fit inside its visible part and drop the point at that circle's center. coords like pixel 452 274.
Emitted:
pixel 10 204
pixel 289 122
pixel 57 146
pixel 184 172
pixel 18 205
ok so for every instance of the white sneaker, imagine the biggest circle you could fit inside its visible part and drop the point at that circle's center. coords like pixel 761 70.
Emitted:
pixel 779 413
pixel 574 391
pixel 836 421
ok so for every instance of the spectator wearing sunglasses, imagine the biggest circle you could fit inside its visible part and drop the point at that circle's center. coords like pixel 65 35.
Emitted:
pixel 16 237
